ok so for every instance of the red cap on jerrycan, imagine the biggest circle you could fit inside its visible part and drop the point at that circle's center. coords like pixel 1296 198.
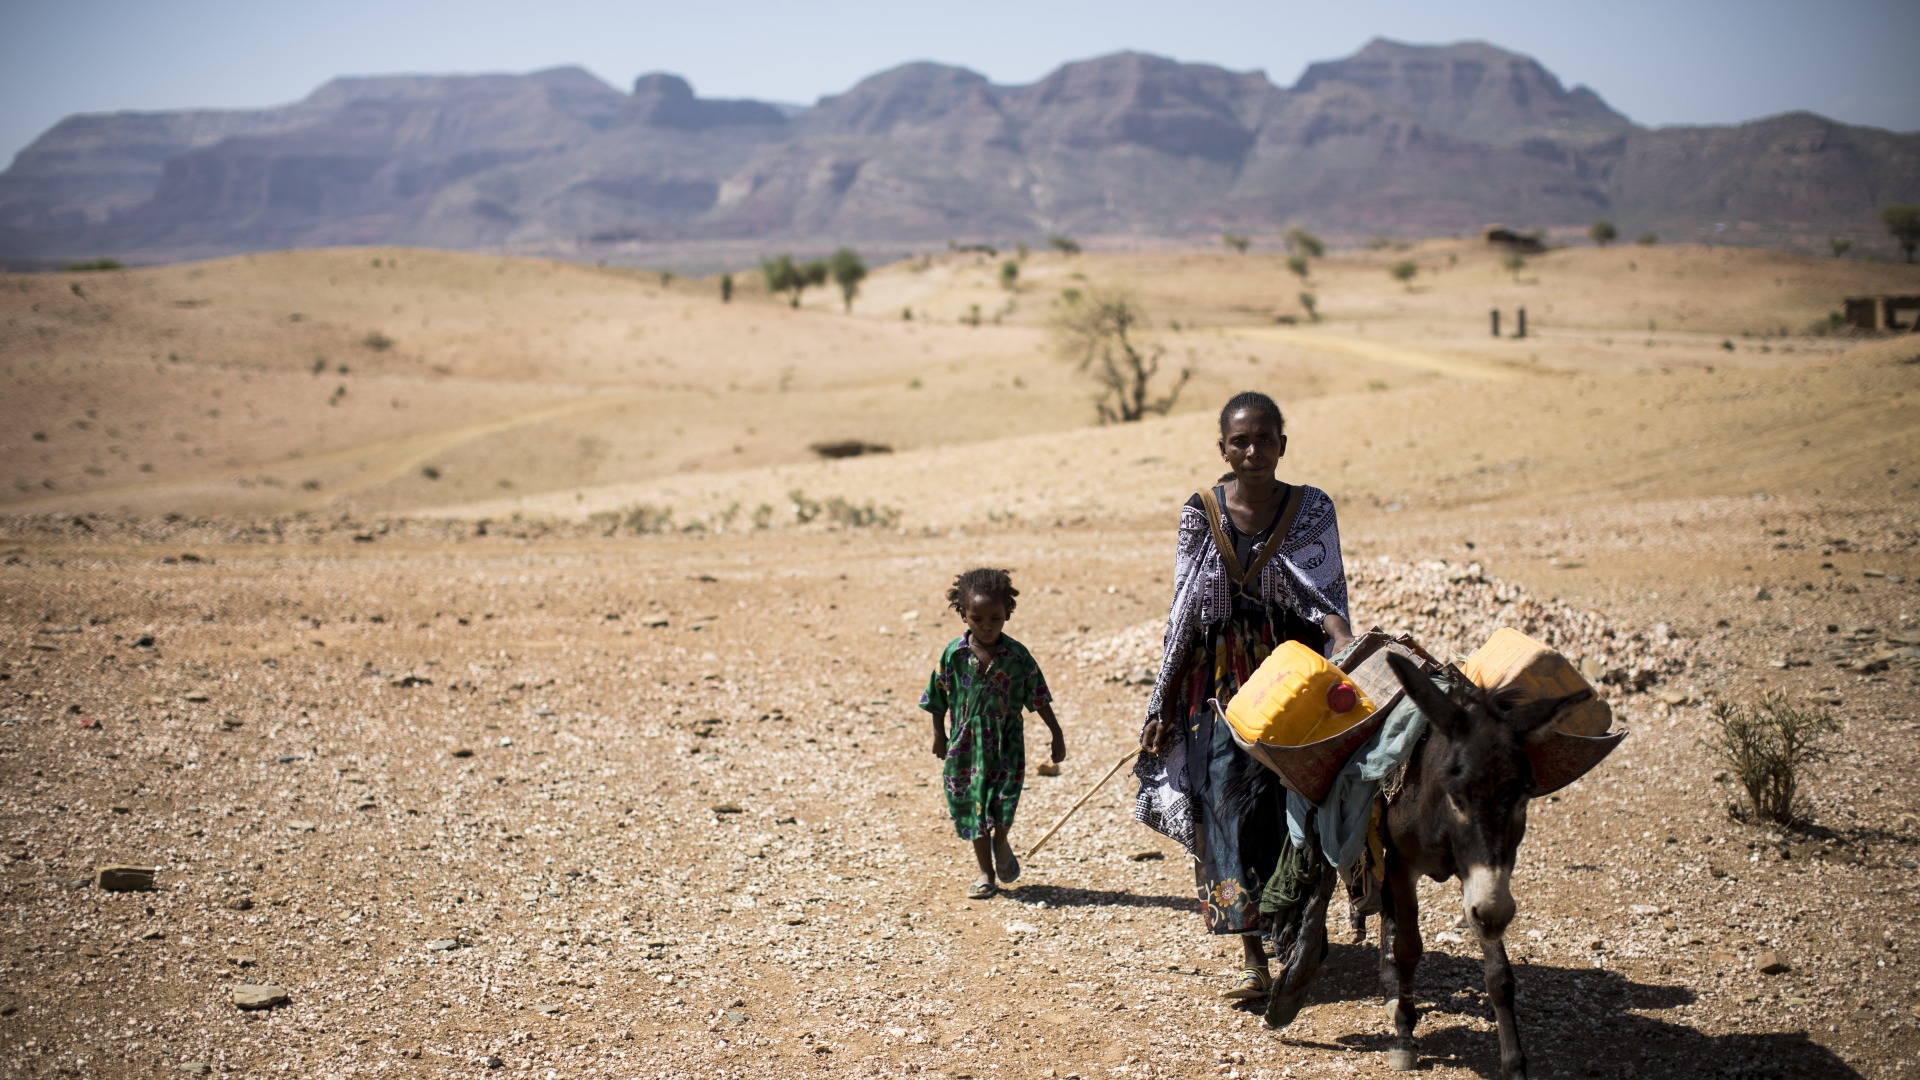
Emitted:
pixel 1341 698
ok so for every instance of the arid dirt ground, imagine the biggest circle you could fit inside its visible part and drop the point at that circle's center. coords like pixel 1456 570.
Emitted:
pixel 485 691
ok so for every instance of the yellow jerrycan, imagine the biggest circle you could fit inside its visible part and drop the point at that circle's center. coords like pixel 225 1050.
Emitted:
pixel 1527 670
pixel 1295 698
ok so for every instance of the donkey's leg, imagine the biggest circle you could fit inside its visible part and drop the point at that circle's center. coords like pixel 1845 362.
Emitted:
pixel 1513 1060
pixel 1400 949
pixel 1302 961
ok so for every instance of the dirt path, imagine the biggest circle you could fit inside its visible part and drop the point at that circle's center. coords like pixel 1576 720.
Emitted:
pixel 1455 363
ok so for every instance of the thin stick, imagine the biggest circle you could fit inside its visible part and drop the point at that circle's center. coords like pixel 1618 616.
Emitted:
pixel 1131 754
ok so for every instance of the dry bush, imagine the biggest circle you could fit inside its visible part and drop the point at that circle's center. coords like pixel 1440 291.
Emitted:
pixel 1764 746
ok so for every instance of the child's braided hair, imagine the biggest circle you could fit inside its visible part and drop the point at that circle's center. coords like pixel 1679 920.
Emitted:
pixel 982 581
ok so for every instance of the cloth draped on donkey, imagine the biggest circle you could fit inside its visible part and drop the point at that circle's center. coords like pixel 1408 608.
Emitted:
pixel 1224 808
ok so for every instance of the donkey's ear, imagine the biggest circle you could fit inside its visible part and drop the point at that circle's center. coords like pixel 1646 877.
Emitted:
pixel 1439 708
pixel 1533 720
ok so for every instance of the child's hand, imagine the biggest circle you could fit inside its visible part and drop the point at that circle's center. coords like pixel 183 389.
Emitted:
pixel 1059 748
pixel 940 745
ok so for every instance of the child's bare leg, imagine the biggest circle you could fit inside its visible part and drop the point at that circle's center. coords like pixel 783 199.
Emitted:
pixel 1005 862
pixel 983 855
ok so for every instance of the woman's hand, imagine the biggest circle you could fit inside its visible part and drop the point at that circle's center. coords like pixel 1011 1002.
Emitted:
pixel 1159 734
pixel 1059 748
pixel 940 744
pixel 1339 634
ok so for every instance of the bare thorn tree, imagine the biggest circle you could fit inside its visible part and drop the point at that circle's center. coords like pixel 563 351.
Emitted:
pixel 1103 336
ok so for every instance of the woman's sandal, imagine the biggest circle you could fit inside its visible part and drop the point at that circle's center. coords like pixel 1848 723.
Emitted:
pixel 1252 985
pixel 982 889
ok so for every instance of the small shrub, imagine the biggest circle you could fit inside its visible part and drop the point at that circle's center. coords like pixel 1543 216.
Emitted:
pixel 1764 747
pixel 95 264
pixel 726 288
pixel 1065 245
pixel 1299 265
pixel 1308 301
pixel 1009 275
pixel 643 518
pixel 1514 263
pixel 377 341
pixel 1403 272
pixel 1648 239
pixel 1235 242
pixel 1603 232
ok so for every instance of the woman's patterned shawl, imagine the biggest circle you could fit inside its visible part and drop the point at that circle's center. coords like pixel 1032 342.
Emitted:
pixel 1306 576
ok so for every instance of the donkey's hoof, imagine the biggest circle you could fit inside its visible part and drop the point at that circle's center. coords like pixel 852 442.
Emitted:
pixel 1282 1008
pixel 1401 1059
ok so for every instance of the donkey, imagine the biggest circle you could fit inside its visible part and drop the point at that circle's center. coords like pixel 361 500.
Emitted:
pixel 1460 812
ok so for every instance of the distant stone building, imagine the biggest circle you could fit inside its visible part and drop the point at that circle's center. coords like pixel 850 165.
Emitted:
pixel 1883 312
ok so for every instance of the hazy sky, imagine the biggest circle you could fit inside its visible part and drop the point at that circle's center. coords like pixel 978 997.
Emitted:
pixel 1658 61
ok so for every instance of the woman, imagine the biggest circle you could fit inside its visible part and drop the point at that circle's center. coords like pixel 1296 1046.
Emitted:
pixel 1265 569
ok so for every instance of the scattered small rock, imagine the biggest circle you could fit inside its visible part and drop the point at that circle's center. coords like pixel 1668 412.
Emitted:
pixel 124 878
pixel 300 826
pixel 463 752
pixel 728 808
pixel 193 1068
pixel 492 1062
pixel 1147 856
pixel 1770 962
pixel 443 945
pixel 252 997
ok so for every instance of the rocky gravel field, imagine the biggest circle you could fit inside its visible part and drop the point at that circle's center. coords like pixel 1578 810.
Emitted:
pixel 422 799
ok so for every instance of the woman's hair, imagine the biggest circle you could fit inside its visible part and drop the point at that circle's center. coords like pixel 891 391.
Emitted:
pixel 981 581
pixel 1257 402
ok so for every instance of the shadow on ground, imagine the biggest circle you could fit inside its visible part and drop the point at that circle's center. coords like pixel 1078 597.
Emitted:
pixel 1574 1022
pixel 1062 896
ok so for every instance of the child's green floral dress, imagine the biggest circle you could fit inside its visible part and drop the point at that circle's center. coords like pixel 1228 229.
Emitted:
pixel 986 741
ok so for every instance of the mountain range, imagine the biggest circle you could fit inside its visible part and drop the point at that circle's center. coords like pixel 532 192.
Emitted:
pixel 1396 139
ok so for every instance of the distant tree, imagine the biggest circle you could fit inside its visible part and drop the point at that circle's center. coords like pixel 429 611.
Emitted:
pixel 1009 275
pixel 1903 221
pixel 1307 301
pixel 848 272
pixel 1101 336
pixel 1514 262
pixel 1236 242
pixel 1403 272
pixel 1302 242
pixel 1840 245
pixel 1065 245
pixel 1648 239
pixel 785 276
pixel 1603 232
pixel 726 288
pixel 1020 250
pixel 94 264
pixel 1299 265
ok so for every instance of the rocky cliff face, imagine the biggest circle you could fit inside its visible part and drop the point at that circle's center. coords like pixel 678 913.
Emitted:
pixel 1396 138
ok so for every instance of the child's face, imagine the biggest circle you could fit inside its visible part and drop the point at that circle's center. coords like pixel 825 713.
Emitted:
pixel 984 617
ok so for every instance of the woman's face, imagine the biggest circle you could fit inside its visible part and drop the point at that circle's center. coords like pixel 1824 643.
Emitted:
pixel 1252 446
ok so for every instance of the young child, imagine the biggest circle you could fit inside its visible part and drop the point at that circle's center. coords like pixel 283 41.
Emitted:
pixel 986 679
